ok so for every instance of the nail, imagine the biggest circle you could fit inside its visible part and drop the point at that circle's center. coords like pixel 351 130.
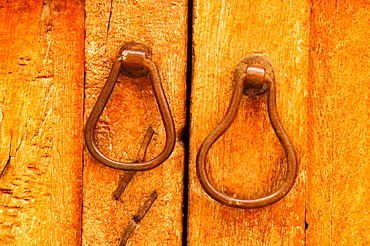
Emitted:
pixel 140 157
pixel 137 218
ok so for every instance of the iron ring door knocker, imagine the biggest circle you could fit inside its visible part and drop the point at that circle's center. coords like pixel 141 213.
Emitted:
pixel 253 75
pixel 134 60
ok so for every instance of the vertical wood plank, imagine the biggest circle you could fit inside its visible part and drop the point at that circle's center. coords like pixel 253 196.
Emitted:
pixel 339 137
pixel 41 112
pixel 132 109
pixel 248 161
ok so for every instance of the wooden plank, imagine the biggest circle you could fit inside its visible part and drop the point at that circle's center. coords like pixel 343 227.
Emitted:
pixel 338 184
pixel 248 160
pixel 41 96
pixel 132 109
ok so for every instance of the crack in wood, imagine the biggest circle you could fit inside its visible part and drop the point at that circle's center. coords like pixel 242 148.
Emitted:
pixel 6 191
pixel 109 19
pixel 6 167
pixel 47 22
pixel 7 164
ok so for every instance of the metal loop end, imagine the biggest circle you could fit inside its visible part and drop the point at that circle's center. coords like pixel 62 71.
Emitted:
pixel 133 55
pixel 256 68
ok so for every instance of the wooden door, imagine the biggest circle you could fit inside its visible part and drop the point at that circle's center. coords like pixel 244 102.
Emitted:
pixel 56 56
pixel 320 54
pixel 132 109
pixel 41 146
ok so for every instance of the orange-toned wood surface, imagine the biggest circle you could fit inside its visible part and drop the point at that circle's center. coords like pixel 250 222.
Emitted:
pixel 248 161
pixel 338 182
pixel 320 52
pixel 132 109
pixel 41 112
pixel 54 193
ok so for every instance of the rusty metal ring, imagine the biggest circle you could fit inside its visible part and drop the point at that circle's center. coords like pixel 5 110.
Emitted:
pixel 251 76
pixel 134 61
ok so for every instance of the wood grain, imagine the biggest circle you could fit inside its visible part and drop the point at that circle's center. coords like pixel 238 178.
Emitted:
pixel 339 137
pixel 248 161
pixel 320 52
pixel 41 112
pixel 132 109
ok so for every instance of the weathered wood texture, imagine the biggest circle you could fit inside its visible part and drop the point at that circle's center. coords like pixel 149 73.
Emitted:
pixel 41 112
pixel 338 182
pixel 248 161
pixel 132 109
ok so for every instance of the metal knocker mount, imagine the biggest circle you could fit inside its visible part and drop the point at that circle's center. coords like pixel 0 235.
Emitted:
pixel 254 75
pixel 133 60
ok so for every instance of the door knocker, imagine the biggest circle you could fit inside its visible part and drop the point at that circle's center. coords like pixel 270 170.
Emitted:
pixel 133 60
pixel 253 75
